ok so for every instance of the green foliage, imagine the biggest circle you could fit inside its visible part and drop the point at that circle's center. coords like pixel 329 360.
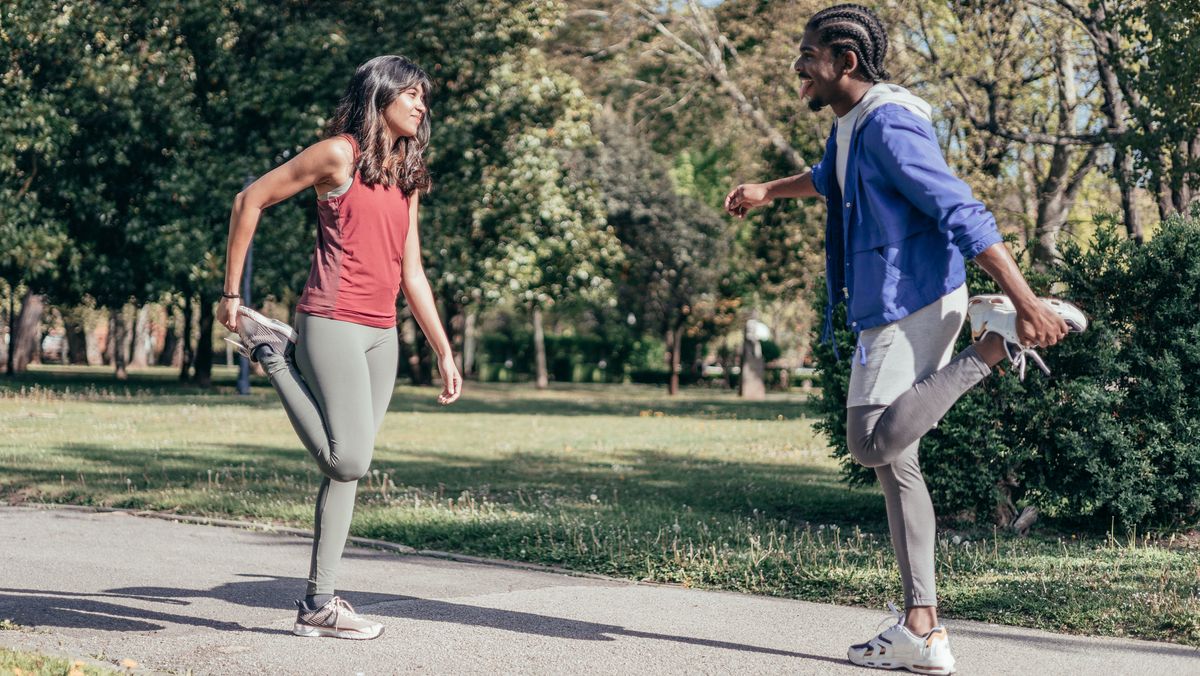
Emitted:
pixel 1158 39
pixel 507 356
pixel 676 249
pixel 539 225
pixel 1111 433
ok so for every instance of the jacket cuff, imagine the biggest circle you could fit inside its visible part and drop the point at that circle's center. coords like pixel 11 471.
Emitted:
pixel 978 246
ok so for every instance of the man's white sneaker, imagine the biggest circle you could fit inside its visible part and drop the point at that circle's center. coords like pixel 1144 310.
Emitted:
pixel 899 648
pixel 255 329
pixel 994 313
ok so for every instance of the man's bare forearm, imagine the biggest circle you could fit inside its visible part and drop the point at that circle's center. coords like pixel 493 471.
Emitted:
pixel 800 185
pixel 998 262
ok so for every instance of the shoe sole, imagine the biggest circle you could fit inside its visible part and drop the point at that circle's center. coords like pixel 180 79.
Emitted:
pixel 1076 320
pixel 273 324
pixel 914 668
pixel 309 631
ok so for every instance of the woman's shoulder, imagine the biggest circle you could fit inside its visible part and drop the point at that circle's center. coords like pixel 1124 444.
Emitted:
pixel 340 147
pixel 334 156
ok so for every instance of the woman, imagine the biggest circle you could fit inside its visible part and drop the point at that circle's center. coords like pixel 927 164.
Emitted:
pixel 335 372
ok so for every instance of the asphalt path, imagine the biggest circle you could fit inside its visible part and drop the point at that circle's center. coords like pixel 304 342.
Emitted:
pixel 179 597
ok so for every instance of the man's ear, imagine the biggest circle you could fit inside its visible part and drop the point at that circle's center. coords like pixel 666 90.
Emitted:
pixel 849 62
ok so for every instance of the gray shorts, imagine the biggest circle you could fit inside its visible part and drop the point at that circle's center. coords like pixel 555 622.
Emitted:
pixel 889 359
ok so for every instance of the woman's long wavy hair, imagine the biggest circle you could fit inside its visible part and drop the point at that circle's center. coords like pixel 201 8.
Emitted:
pixel 374 87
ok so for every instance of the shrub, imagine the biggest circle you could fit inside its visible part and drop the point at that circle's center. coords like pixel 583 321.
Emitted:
pixel 1113 432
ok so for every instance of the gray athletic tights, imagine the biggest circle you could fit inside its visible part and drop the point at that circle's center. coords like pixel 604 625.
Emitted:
pixel 335 394
pixel 886 438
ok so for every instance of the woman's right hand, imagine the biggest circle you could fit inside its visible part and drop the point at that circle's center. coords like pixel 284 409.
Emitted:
pixel 227 312
pixel 746 197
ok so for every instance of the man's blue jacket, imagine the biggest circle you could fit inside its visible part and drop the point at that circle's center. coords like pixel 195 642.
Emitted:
pixel 897 240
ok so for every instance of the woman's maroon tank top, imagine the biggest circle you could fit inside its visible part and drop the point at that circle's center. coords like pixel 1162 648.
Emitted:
pixel 355 274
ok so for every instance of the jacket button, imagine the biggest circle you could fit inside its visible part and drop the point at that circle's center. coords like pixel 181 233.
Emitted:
pixel 847 205
pixel 853 323
pixel 845 292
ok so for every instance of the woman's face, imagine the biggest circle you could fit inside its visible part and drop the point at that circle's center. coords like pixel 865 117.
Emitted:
pixel 403 117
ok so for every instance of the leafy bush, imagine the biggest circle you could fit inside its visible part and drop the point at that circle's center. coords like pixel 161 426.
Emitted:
pixel 1112 433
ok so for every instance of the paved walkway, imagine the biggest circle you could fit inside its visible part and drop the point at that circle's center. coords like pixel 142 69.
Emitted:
pixel 178 597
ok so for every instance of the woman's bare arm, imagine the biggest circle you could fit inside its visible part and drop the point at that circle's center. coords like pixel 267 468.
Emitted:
pixel 328 163
pixel 415 286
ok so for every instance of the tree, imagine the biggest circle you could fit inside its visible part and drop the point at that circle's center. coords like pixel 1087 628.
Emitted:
pixel 540 223
pixel 676 250
pixel 31 128
pixel 1024 80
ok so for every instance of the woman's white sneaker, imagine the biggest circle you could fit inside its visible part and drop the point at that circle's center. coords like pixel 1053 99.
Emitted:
pixel 255 329
pixel 994 313
pixel 899 648
pixel 335 619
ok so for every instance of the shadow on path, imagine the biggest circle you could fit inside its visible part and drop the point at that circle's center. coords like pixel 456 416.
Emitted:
pixel 78 610
pixel 40 608
pixel 1072 644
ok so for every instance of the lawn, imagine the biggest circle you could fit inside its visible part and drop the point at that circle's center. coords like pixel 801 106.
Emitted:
pixel 702 489
pixel 20 663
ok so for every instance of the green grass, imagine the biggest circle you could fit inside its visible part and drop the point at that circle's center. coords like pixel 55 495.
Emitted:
pixel 17 663
pixel 703 490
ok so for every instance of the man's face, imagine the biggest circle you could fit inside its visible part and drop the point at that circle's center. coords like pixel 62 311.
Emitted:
pixel 820 73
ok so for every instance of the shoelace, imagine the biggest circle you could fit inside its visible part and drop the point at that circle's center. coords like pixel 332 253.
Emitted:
pixel 896 617
pixel 1020 358
pixel 342 606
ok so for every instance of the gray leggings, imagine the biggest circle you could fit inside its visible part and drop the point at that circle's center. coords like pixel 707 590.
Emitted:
pixel 886 438
pixel 335 399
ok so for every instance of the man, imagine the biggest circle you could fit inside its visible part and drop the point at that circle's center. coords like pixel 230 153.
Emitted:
pixel 899 229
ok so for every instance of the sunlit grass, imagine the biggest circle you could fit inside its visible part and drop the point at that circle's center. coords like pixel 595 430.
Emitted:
pixel 33 664
pixel 703 490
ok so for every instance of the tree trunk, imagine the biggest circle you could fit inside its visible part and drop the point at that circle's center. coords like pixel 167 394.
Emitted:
pixel 204 353
pixel 469 343
pixel 143 343
pixel 1058 190
pixel 25 335
pixel 1162 186
pixel 542 377
pixel 1182 160
pixel 116 341
pixel 8 322
pixel 172 347
pixel 76 336
pixel 419 366
pixel 452 321
pixel 674 345
pixel 751 385
pixel 1123 161
pixel 185 337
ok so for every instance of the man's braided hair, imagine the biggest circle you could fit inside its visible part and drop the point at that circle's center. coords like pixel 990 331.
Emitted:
pixel 854 28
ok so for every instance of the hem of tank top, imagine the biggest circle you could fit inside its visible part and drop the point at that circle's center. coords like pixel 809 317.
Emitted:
pixel 342 316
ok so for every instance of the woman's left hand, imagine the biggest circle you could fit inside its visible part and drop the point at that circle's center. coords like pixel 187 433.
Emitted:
pixel 451 378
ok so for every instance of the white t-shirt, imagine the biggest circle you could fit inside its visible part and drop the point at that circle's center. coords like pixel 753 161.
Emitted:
pixel 845 130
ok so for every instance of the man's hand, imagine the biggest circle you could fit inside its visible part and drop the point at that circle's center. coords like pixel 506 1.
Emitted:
pixel 746 197
pixel 1039 326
